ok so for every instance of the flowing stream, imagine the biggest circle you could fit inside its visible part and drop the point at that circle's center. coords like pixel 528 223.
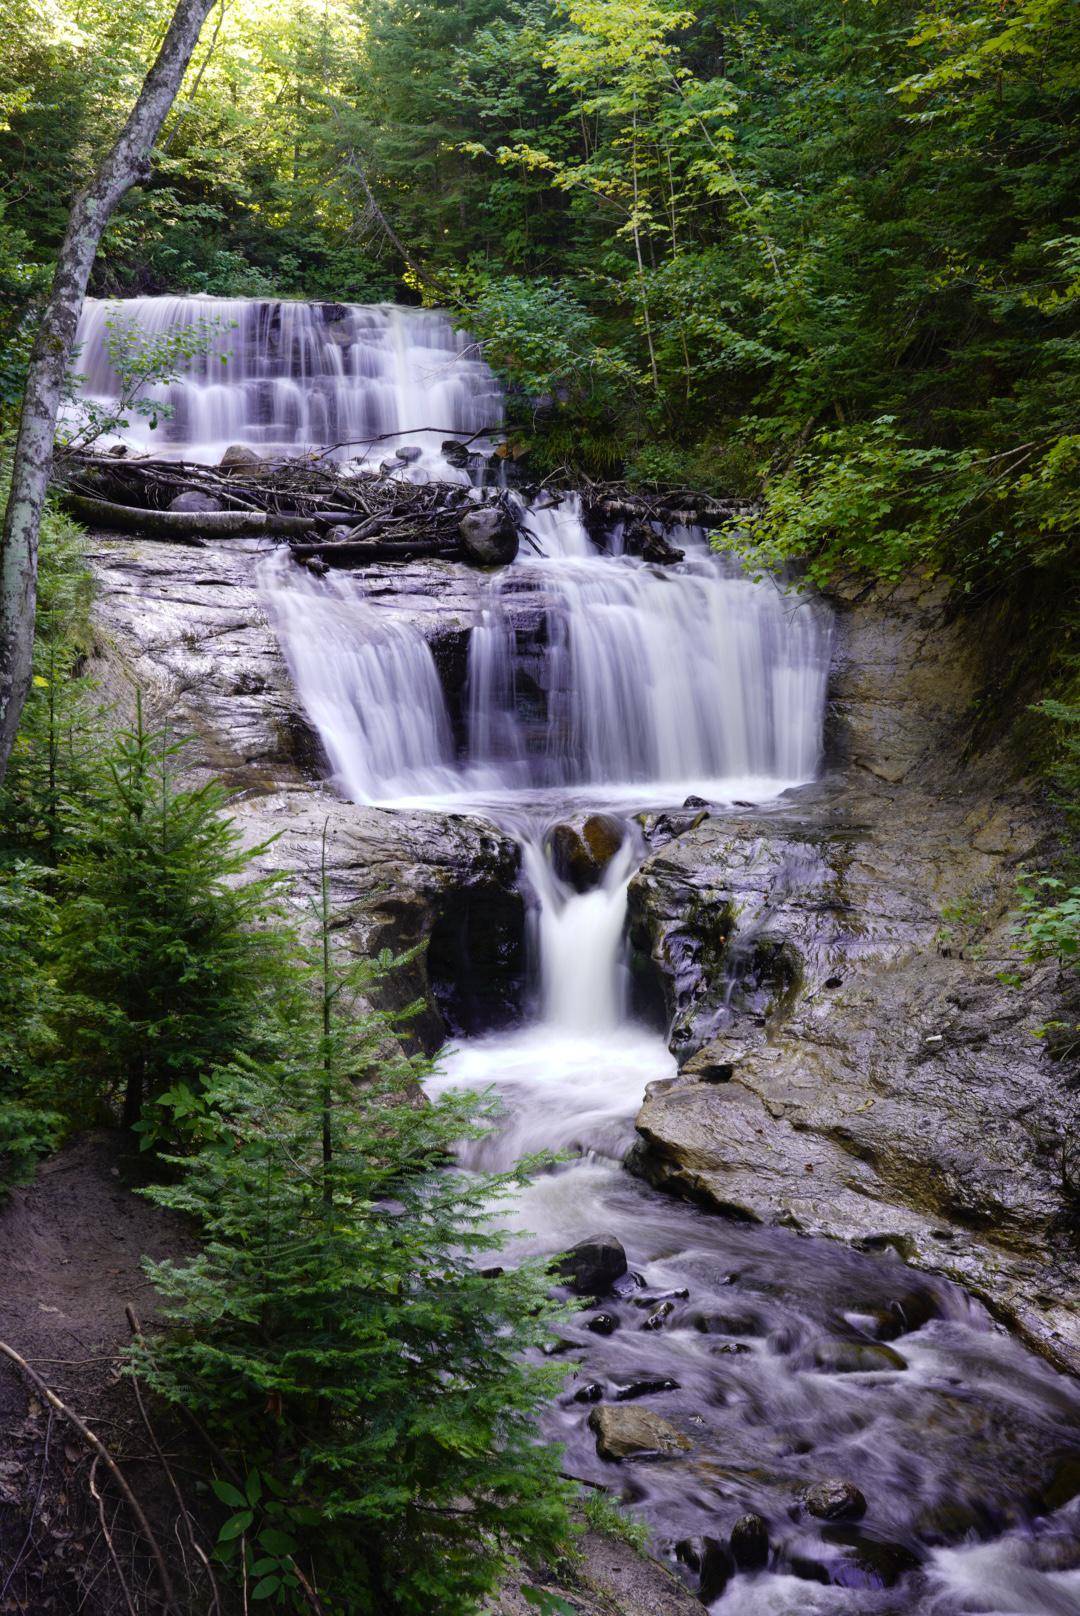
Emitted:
pixel 595 681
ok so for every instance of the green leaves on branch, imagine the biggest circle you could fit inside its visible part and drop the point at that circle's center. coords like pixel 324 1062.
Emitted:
pixel 141 361
pixel 865 501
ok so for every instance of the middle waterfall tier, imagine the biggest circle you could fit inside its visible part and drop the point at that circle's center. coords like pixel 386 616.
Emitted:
pixel 581 670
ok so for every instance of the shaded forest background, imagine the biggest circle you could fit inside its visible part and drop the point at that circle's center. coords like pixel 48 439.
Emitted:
pixel 823 251
pixel 819 255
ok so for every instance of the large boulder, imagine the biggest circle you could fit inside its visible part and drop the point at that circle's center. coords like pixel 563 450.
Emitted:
pixel 835 1500
pixel 710 1560
pixel 488 537
pixel 592 1266
pixel 581 849
pixel 238 455
pixel 193 500
pixel 625 1432
pixel 456 454
pixel 750 1543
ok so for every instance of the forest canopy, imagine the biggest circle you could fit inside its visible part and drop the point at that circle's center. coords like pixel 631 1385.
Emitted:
pixel 828 252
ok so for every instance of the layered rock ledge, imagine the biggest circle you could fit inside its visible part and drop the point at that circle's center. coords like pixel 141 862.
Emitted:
pixel 188 627
pixel 851 1062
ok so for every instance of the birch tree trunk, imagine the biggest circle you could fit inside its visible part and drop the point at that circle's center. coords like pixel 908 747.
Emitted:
pixel 126 164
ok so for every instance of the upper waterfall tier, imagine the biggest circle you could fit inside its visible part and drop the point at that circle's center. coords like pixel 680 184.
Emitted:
pixel 587 669
pixel 284 377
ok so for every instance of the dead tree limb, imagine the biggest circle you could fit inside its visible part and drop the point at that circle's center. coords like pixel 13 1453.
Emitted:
pixel 103 513
pixel 107 1535
pixel 102 1452
pixel 125 165
pixel 185 1513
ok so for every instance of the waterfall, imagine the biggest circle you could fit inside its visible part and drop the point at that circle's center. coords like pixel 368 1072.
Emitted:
pixel 579 944
pixel 594 679
pixel 287 377
pixel 670 679
pixel 369 684
pixel 656 682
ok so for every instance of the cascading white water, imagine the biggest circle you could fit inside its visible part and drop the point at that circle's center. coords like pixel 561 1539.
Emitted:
pixel 369 684
pixel 598 678
pixel 659 681
pixel 671 678
pixel 286 377
pixel 579 946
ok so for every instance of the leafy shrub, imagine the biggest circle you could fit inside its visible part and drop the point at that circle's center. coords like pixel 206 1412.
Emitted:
pixel 30 1124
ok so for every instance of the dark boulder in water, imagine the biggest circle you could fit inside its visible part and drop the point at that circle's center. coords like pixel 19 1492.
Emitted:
pixel 750 1543
pixel 659 1316
pixel 488 537
pixel 455 453
pixel 710 1560
pixel 602 1324
pixel 581 849
pixel 643 1386
pixel 591 1392
pixel 592 1266
pixel 835 1500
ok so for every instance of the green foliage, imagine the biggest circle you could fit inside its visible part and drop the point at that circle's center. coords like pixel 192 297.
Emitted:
pixel 140 359
pixel 711 467
pixel 159 949
pixel 541 338
pixel 55 756
pixel 50 763
pixel 603 1513
pixel 29 1123
pixel 363 1377
pixel 843 247
pixel 863 500
pixel 1050 919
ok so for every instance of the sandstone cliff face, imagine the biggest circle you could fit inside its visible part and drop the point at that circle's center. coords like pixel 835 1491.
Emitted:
pixel 188 627
pixel 851 1063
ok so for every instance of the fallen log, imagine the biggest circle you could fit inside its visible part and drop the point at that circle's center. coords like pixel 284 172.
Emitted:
pixel 181 525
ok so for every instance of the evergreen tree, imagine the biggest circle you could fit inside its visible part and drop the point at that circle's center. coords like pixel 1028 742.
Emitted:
pixel 160 951
pixel 363 1378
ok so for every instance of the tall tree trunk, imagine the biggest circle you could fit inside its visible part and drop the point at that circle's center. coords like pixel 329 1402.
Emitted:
pixel 126 164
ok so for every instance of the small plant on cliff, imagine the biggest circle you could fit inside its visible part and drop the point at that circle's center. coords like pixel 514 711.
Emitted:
pixel 141 361
pixel 336 1334
pixel 165 967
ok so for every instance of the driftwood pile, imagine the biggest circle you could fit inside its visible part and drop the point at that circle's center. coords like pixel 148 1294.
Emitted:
pixel 330 518
pixel 307 503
